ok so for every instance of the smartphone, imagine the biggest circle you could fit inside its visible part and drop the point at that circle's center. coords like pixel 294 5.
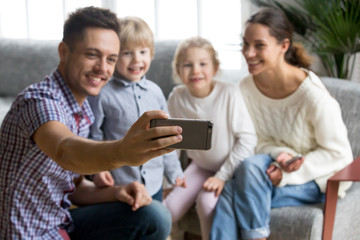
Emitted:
pixel 196 133
pixel 293 159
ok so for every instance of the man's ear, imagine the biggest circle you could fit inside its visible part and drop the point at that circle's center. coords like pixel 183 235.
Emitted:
pixel 63 50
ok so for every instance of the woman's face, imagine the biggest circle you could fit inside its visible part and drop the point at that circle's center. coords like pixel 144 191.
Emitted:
pixel 261 50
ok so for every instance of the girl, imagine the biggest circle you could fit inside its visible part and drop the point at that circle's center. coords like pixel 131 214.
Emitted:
pixel 293 114
pixel 233 138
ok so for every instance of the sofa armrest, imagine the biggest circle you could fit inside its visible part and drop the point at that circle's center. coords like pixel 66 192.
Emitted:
pixel 349 173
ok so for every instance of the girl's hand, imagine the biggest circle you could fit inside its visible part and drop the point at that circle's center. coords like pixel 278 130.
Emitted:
pixel 180 182
pixel 103 179
pixel 214 184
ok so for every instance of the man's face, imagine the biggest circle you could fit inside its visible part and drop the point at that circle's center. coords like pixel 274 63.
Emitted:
pixel 91 63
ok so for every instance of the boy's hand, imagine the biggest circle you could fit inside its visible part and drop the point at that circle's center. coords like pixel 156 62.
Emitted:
pixel 180 182
pixel 214 184
pixel 103 179
pixel 134 194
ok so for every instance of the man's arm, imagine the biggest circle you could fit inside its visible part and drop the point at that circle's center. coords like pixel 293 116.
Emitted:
pixel 85 156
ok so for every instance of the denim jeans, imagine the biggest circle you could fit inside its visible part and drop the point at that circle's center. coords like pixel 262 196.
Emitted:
pixel 158 195
pixel 243 209
pixel 116 220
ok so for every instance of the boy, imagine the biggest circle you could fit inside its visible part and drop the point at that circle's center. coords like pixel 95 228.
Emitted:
pixel 122 102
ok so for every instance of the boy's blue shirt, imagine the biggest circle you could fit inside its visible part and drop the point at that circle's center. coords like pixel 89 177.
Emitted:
pixel 119 104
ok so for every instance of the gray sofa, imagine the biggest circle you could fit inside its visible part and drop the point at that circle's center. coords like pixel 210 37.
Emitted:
pixel 23 62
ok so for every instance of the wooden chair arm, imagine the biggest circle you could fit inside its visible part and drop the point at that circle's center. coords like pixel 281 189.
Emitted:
pixel 349 173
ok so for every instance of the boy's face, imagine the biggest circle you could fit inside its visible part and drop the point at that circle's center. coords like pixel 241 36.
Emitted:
pixel 133 62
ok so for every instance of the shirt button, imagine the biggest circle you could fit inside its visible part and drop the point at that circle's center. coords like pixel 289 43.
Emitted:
pixel 144 172
pixel 139 97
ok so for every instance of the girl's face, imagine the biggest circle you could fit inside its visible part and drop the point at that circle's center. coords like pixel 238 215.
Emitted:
pixel 134 62
pixel 261 50
pixel 197 70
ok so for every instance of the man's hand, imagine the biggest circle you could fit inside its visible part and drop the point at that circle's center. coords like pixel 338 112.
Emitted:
pixel 134 194
pixel 103 179
pixel 214 184
pixel 142 143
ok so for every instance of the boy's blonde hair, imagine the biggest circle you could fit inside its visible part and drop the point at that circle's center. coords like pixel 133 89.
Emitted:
pixel 134 31
pixel 197 42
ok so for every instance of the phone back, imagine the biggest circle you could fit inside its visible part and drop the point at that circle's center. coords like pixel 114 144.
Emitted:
pixel 196 133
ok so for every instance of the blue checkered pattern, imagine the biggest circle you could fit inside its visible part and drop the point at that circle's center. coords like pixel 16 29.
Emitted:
pixel 34 189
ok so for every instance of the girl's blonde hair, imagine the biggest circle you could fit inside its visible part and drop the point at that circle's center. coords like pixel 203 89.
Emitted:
pixel 197 42
pixel 134 31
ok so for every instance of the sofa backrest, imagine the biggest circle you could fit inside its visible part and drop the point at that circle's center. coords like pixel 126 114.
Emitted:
pixel 160 70
pixel 347 93
pixel 23 62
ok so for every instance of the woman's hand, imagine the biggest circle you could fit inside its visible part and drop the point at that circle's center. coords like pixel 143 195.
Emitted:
pixel 274 174
pixel 275 170
pixel 214 184
pixel 292 167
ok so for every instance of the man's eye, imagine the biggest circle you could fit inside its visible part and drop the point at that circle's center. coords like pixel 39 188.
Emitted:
pixel 90 55
pixel 112 60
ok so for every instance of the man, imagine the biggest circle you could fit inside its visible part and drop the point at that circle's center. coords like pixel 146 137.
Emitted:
pixel 43 148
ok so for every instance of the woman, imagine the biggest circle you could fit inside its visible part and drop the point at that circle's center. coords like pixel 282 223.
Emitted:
pixel 293 114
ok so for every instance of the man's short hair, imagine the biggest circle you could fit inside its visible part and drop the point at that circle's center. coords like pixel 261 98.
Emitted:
pixel 87 17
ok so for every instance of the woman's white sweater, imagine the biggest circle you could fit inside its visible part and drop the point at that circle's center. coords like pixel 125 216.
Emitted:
pixel 309 122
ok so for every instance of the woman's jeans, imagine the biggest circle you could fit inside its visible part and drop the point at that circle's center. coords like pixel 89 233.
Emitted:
pixel 116 220
pixel 243 209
